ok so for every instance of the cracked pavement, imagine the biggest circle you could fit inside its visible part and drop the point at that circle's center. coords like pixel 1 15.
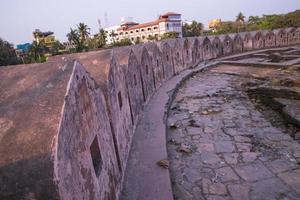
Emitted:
pixel 221 147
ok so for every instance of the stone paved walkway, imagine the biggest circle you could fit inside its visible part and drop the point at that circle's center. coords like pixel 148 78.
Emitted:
pixel 221 147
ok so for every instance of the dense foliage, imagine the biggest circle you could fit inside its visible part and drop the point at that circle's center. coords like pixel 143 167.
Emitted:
pixel 193 29
pixel 123 42
pixel 291 19
pixel 7 54
pixel 169 35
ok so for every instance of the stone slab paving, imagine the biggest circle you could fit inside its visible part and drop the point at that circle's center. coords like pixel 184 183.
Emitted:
pixel 221 147
pixel 144 178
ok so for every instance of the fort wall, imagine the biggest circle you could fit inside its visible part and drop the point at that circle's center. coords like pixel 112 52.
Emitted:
pixel 102 96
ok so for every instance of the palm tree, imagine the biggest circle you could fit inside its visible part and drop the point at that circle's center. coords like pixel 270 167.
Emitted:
pixel 113 35
pixel 253 20
pixel 73 36
pixel 36 50
pixel 240 19
pixel 83 30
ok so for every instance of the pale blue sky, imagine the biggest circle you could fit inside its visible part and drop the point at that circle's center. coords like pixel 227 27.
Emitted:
pixel 18 18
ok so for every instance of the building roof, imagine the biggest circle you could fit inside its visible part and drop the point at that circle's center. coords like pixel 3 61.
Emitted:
pixel 162 18
pixel 170 14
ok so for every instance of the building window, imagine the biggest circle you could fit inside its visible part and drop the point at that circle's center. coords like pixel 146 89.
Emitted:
pixel 96 156
pixel 120 100
pixel 177 55
pixel 134 79
pixel 167 57
pixel 227 43
pixel 155 27
pixel 137 31
pixel 131 31
pixel 217 45
pixel 157 63
pixel 206 47
pixel 126 33
pixel 142 30
pixel 149 29
pixel 132 39
pixel 187 52
pixel 147 70
pixel 143 37
pixel 167 26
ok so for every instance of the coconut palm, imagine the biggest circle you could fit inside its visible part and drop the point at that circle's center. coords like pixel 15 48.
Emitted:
pixel 84 31
pixel 73 36
pixel 240 19
pixel 37 50
pixel 113 35
pixel 253 20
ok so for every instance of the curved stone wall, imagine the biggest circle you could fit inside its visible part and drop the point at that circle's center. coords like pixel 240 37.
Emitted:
pixel 87 148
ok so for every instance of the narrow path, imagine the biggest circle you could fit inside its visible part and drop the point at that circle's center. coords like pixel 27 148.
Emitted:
pixel 144 179
pixel 220 147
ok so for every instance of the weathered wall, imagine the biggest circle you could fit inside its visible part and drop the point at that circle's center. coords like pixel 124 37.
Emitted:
pixel 85 163
pixel 157 63
pixel 167 59
pixel 258 40
pixel 247 41
pixel 177 55
pixel 237 43
pixel 146 70
pixel 186 44
pixel 281 37
pixel 217 46
pixel 105 97
pixel 270 39
pixel 227 44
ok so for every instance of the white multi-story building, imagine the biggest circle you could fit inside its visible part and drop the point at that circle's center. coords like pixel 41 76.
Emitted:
pixel 111 33
pixel 169 22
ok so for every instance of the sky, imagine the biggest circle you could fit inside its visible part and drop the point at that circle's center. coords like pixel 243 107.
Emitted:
pixel 19 18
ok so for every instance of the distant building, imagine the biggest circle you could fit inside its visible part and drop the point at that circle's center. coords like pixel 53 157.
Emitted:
pixel 168 22
pixel 22 49
pixel 214 24
pixel 69 45
pixel 111 33
pixel 46 37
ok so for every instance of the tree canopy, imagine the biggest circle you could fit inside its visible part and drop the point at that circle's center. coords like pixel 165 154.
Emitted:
pixel 193 29
pixel 7 54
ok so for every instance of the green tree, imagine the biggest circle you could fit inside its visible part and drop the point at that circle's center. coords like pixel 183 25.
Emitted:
pixel 151 37
pixel 123 42
pixel 169 35
pixel 240 20
pixel 7 54
pixel 101 38
pixel 56 46
pixel 113 35
pixel 194 29
pixel 137 40
pixel 226 27
pixel 84 31
pixel 36 52
pixel 74 37
pixel 254 20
